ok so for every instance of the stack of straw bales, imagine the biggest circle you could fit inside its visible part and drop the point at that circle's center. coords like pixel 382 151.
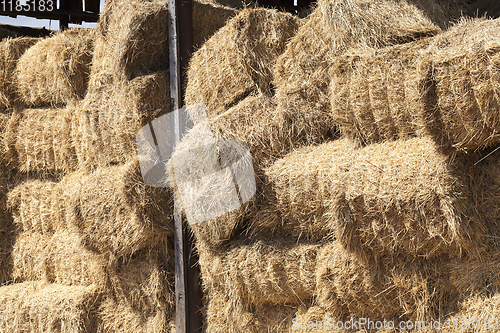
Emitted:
pixel 384 222
pixel 301 74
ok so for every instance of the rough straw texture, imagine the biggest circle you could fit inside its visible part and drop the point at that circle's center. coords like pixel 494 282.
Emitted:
pixel 11 49
pixel 261 272
pixel 238 60
pixel 395 287
pixel 398 197
pixel 131 41
pixel 51 308
pixel 39 140
pixel 56 70
pixel 7 236
pixel 301 74
pixel 115 211
pixel 208 17
pixel 377 94
pixel 464 85
pixel 105 125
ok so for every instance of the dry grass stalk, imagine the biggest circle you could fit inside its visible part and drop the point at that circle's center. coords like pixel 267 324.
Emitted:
pixel 39 140
pixel 261 272
pixel 105 126
pixel 238 60
pixel 377 94
pixel 396 197
pixel 394 287
pixel 464 84
pixel 208 17
pixel 56 69
pixel 11 49
pixel 36 306
pixel 131 41
pixel 115 211
pixel 302 72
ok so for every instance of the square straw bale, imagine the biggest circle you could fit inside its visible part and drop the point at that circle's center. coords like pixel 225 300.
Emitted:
pixel 41 307
pixel 56 70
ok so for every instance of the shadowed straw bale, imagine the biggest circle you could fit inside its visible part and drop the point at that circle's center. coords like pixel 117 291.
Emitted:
pixel 105 126
pixel 11 50
pixel 57 258
pixel 208 17
pixel 56 69
pixel 261 272
pixel 131 41
pixel 40 140
pixel 479 8
pixel 395 287
pixel 238 60
pixel 400 196
pixel 301 74
pixel 37 206
pixel 7 235
pixel 229 315
pixel 40 307
pixel 117 318
pixel 376 94
pixel 464 85
pixel 115 211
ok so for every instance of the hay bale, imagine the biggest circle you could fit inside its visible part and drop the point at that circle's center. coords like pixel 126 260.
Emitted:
pixel 116 212
pixel 11 49
pixel 392 288
pixel 57 258
pixel 237 61
pixel 131 41
pixel 39 307
pixel 55 71
pixel 464 84
pixel 301 74
pixel 261 272
pixel 403 196
pixel 116 318
pixel 40 140
pixel 37 206
pixel 377 94
pixel 225 314
pixel 7 232
pixel 106 124
pixel 208 17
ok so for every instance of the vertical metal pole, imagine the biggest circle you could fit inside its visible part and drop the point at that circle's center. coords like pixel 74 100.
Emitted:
pixel 175 102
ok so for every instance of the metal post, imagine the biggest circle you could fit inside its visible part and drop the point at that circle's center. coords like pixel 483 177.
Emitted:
pixel 175 102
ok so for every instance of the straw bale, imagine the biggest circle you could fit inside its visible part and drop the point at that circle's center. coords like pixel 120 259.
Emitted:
pixel 464 84
pixel 11 49
pixel 7 235
pixel 376 94
pixel 489 8
pixel 229 315
pixel 56 69
pixel 301 74
pixel 105 126
pixel 131 41
pixel 117 318
pixel 57 258
pixel 40 142
pixel 115 211
pixel 40 307
pixel 261 272
pixel 393 287
pixel 37 206
pixel 208 17
pixel 237 61
pixel 402 196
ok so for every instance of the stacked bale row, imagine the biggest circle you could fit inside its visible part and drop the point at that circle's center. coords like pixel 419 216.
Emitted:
pixel 338 230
